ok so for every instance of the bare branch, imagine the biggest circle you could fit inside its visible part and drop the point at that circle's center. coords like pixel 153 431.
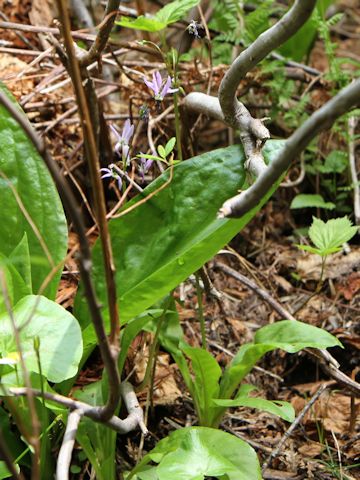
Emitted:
pixel 234 112
pixel 352 161
pixel 103 34
pixel 253 133
pixel 321 120
pixel 109 350
pixel 134 419
pixel 67 446
pixel 292 427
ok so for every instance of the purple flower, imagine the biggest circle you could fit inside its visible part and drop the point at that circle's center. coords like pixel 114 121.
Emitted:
pixel 144 166
pixel 159 86
pixel 122 146
pixel 110 172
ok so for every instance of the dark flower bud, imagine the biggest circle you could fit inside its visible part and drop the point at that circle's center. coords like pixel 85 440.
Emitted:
pixel 196 29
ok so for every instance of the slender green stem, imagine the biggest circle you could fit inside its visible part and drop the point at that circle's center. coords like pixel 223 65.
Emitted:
pixel 177 127
pixel 200 311
pixel 153 349
pixel 22 454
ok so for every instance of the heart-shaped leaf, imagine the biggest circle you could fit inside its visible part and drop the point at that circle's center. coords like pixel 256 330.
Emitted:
pixel 58 331
pixel 195 452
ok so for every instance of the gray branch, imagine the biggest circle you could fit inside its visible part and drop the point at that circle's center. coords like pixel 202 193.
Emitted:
pixel 67 446
pixel 234 111
pixel 321 120
pixel 131 422
pixel 253 134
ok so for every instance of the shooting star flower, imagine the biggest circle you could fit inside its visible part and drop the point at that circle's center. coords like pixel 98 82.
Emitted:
pixel 111 173
pixel 122 146
pixel 159 86
pixel 144 166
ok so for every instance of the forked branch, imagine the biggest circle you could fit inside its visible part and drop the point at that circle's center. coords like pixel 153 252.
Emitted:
pixel 321 120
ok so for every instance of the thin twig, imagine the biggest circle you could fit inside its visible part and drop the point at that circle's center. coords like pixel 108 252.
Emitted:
pixel 102 37
pixel 110 350
pixel 67 446
pixel 85 263
pixel 7 458
pixel 352 161
pixel 292 427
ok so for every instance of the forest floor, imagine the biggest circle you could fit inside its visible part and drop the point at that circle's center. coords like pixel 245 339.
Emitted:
pixel 326 443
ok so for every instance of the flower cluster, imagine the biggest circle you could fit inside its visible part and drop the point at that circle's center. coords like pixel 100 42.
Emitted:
pixel 160 87
pixel 196 29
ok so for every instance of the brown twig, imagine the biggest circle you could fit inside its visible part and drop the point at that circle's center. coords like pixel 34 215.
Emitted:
pixel 103 34
pixel 292 427
pixel 110 349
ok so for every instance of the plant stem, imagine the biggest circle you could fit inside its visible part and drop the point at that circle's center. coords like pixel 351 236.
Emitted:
pixel 153 349
pixel 177 127
pixel 200 311
pixel 109 348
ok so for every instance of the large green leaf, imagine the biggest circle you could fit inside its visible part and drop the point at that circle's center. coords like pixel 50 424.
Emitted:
pixel 27 174
pixel 163 241
pixel 195 452
pixel 289 335
pixel 58 331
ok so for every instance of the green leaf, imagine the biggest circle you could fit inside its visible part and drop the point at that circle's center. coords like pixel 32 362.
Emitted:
pixel 163 241
pixel 16 288
pixel 331 234
pixel 98 441
pixel 169 147
pixel 299 45
pixel 27 174
pixel 58 331
pixel 161 151
pixel 142 23
pixel 172 12
pixel 282 409
pixel 195 452
pixel 207 374
pixel 289 335
pixel 20 258
pixel 4 472
pixel 132 329
pixel 335 162
pixel 308 200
